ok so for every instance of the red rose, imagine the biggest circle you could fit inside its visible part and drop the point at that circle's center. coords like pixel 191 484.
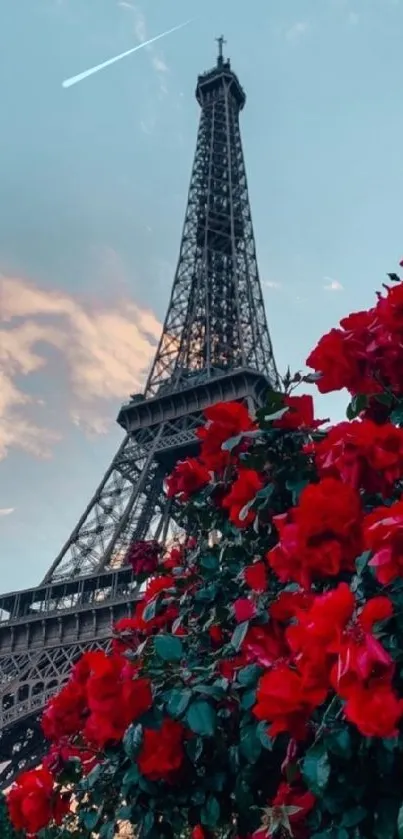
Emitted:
pixel 224 420
pixel 342 356
pixel 199 832
pixel 143 556
pixel 297 804
pixel 383 535
pixel 162 754
pixel 320 537
pixel 363 454
pixel 216 634
pixel 286 701
pixel 244 609
pixel 65 713
pixel 375 610
pixel 375 711
pixel 242 492
pixel 32 802
pixel 300 414
pixel 264 644
pixel 187 478
pixel 256 577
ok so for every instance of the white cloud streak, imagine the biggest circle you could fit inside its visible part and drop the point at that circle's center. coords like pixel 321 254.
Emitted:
pixel 6 511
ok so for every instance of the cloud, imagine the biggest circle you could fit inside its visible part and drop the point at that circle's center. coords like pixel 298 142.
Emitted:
pixel 270 284
pixel 91 352
pixel 332 285
pixel 353 18
pixel 6 511
pixel 140 30
pixel 297 31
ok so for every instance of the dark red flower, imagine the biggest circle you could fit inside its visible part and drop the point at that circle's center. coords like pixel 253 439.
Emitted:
pixel 241 495
pixel 143 556
pixel 256 576
pixel 363 454
pixel 162 753
pixel 224 421
pixel 199 832
pixel 33 804
pixel 300 414
pixel 216 635
pixel 376 711
pixel 244 609
pixel 187 478
pixel 383 535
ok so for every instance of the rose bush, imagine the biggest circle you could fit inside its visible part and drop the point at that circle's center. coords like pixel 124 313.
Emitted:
pixel 257 689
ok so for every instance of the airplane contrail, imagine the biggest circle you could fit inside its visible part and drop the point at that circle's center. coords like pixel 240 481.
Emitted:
pixel 92 70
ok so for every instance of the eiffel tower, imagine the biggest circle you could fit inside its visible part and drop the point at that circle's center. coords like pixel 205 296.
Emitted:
pixel 215 346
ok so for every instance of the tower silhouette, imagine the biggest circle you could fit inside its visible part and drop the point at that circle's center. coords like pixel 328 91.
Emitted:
pixel 215 346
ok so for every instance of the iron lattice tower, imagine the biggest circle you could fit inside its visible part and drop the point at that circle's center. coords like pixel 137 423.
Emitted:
pixel 215 345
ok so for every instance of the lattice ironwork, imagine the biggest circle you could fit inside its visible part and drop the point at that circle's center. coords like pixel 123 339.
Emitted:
pixel 215 346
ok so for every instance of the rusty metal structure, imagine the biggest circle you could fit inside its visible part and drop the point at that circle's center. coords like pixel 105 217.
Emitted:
pixel 215 346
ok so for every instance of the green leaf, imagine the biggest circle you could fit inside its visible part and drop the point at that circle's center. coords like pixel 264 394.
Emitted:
pixel 201 718
pixel 397 416
pixel 238 635
pixel 249 675
pixel 277 415
pixel 147 823
pixel 316 768
pixel 210 813
pixel 338 741
pixel 108 831
pixel 400 823
pixel 209 562
pixel 265 739
pixel 168 647
pixel 353 817
pixel 356 406
pixel 150 610
pixel 90 818
pixel 132 740
pixel 231 443
pixel 194 748
pixel 248 700
pixel 178 702
pixel 250 746
pixel 295 486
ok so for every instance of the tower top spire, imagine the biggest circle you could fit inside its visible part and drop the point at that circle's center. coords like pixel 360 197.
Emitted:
pixel 220 58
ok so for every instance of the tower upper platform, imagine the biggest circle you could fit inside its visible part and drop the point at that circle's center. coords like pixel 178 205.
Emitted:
pixel 211 83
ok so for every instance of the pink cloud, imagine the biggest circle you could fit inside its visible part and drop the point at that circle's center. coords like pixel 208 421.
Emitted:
pixel 92 352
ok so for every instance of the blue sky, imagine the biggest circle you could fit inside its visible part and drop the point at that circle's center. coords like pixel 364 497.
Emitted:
pixel 93 191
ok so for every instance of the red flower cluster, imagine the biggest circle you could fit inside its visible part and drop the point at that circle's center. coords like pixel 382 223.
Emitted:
pixel 363 454
pixel 33 804
pixel 321 536
pixel 364 355
pixel 331 646
pixel 162 752
pixel 187 478
pixel 104 695
pixel 224 421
